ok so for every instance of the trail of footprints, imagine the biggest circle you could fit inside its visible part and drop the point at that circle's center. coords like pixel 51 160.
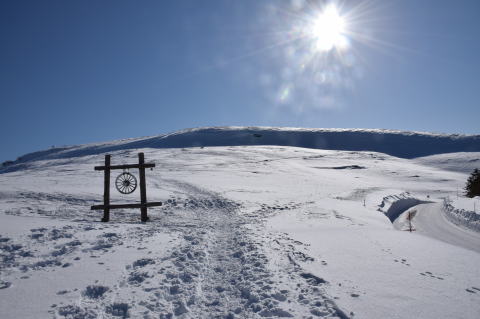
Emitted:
pixel 266 210
pixel 217 271
pixel 309 292
pixel 220 271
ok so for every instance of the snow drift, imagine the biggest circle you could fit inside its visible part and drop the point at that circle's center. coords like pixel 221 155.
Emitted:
pixel 394 205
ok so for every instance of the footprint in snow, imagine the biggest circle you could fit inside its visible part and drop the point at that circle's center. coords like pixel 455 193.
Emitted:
pixel 402 261
pixel 95 291
pixel 4 284
pixel 143 262
pixel 118 310
pixel 429 274
pixel 473 290
pixel 73 311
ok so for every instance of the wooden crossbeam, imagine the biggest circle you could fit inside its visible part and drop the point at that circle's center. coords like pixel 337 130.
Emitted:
pixel 117 206
pixel 126 166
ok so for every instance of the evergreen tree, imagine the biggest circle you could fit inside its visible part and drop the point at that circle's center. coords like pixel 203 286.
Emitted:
pixel 473 184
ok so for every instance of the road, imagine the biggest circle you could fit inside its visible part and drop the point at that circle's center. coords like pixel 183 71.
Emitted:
pixel 430 221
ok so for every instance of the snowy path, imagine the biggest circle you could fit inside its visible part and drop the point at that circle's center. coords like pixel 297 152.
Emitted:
pixel 221 268
pixel 431 221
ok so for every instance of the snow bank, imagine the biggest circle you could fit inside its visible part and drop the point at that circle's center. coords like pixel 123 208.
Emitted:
pixel 394 205
pixel 461 212
pixel 396 143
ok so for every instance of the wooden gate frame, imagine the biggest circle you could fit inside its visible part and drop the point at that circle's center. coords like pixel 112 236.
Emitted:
pixel 143 189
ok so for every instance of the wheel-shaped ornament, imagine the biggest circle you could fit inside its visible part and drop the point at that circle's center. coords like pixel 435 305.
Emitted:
pixel 126 183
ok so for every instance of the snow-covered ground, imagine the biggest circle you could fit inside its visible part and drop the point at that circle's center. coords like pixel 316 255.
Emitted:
pixel 458 162
pixel 245 232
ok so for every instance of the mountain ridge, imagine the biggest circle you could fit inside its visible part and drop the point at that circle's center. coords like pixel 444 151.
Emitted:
pixel 403 144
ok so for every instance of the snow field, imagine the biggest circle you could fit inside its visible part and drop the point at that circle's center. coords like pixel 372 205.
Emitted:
pixel 245 232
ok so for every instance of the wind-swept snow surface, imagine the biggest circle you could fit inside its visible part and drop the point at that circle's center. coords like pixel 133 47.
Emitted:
pixel 245 232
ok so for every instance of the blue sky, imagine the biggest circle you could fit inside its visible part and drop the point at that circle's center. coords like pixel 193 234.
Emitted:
pixel 74 72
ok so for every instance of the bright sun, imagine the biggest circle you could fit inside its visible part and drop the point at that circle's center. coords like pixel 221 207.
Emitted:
pixel 328 30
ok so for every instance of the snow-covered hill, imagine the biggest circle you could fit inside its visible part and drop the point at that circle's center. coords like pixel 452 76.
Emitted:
pixel 247 231
pixel 396 143
pixel 464 162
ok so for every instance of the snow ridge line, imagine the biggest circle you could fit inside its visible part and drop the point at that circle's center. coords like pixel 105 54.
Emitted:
pixel 396 143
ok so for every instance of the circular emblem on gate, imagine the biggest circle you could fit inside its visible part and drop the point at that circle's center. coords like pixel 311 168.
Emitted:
pixel 126 183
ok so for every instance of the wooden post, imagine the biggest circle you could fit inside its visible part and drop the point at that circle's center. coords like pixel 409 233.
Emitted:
pixel 143 188
pixel 410 221
pixel 106 190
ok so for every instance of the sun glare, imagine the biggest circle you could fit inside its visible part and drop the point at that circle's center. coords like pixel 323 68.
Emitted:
pixel 328 30
pixel 314 52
